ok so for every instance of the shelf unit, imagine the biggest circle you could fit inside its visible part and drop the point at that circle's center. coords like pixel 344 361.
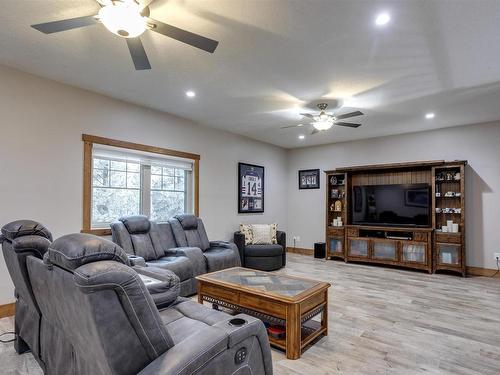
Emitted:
pixel 428 248
pixel 336 192
pixel 449 205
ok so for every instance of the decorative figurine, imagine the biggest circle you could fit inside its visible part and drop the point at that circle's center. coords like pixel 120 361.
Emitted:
pixel 338 206
pixel 333 180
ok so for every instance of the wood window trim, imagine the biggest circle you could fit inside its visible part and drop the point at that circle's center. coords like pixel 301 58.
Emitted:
pixel 90 140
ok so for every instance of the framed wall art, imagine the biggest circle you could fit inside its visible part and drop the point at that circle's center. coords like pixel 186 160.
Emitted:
pixel 309 179
pixel 250 188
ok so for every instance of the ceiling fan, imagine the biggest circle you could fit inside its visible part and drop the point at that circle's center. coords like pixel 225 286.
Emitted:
pixel 129 19
pixel 325 120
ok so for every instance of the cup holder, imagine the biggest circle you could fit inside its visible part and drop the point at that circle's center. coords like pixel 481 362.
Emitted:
pixel 237 322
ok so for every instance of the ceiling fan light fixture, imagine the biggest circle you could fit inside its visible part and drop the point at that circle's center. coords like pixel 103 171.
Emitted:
pixel 323 124
pixel 123 19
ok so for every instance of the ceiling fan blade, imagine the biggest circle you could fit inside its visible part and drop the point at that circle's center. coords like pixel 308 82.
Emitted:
pixel 307 115
pixel 348 124
pixel 314 131
pixel 63 25
pixel 184 36
pixel 292 126
pixel 350 114
pixel 138 54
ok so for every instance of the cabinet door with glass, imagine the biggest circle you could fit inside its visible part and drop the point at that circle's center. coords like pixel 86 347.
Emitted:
pixel 335 246
pixel 414 252
pixel 449 254
pixel 385 250
pixel 358 247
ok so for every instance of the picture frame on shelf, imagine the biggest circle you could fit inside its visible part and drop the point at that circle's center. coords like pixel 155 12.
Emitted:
pixel 250 188
pixel 309 179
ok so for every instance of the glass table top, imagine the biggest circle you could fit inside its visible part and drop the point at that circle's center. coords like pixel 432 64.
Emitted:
pixel 264 281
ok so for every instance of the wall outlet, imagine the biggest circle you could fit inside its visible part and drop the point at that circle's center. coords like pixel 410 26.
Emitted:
pixel 496 256
pixel 296 238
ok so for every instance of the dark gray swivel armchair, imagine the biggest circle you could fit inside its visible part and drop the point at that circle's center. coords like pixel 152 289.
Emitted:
pixel 262 257
pixel 98 318
pixel 22 239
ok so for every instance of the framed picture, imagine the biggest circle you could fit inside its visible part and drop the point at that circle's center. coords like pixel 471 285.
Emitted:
pixel 309 179
pixel 250 188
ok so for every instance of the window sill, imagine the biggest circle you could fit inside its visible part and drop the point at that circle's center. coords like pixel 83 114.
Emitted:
pixel 97 232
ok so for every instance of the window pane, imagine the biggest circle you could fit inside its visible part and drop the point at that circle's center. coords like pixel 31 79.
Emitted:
pixel 133 167
pixel 118 165
pixel 133 180
pixel 179 183
pixel 165 204
pixel 101 163
pixel 155 170
pixel 179 172
pixel 118 179
pixel 110 204
pixel 155 182
pixel 100 177
pixel 168 171
pixel 168 183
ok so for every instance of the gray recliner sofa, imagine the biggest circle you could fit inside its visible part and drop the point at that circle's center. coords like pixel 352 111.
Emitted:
pixel 99 318
pixel 142 240
pixel 22 239
pixel 190 231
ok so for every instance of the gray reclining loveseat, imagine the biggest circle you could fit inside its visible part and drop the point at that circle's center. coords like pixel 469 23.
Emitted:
pixel 180 245
pixel 97 317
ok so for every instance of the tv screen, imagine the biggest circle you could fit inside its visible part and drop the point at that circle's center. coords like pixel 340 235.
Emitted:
pixel 395 205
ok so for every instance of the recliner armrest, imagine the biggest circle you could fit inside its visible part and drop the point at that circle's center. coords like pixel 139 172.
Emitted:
pixel 189 355
pixel 236 334
pixel 136 261
pixel 227 245
pixel 239 240
pixel 194 254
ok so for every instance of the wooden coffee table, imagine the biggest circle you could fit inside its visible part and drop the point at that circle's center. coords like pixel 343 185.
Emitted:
pixel 277 299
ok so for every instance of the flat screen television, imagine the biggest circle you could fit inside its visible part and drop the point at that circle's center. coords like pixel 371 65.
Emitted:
pixel 391 205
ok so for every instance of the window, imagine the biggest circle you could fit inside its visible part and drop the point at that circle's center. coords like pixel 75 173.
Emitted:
pixel 122 181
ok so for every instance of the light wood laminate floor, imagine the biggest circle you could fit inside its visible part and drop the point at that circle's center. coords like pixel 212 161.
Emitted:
pixel 381 321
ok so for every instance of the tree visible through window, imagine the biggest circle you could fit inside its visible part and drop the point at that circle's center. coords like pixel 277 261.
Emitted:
pixel 122 188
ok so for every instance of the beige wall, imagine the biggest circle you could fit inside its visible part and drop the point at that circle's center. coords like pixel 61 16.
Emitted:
pixel 479 144
pixel 41 157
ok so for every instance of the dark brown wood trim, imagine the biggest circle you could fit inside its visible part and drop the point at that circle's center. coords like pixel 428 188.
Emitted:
pixel 413 164
pixel 300 250
pixel 90 140
pixel 196 173
pixel 478 271
pixel 139 147
pixel 8 309
pixel 97 232
pixel 87 184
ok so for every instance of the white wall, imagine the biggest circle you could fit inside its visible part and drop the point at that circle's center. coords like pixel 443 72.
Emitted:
pixel 41 154
pixel 479 144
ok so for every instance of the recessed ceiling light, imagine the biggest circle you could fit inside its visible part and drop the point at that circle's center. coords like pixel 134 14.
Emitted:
pixel 190 94
pixel 429 115
pixel 382 19
pixel 302 136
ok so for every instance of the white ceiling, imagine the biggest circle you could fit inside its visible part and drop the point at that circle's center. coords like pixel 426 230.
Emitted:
pixel 277 57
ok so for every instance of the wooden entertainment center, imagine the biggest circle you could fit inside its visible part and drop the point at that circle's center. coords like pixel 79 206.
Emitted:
pixel 426 247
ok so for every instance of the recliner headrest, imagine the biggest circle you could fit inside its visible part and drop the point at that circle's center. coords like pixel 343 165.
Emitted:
pixel 136 224
pixel 74 250
pixel 19 228
pixel 187 221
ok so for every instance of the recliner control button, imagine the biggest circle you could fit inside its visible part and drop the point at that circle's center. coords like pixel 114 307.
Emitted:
pixel 240 356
